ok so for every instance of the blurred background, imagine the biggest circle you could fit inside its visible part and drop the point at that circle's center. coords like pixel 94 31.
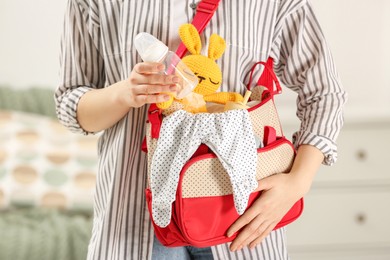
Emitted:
pixel 346 211
pixel 47 174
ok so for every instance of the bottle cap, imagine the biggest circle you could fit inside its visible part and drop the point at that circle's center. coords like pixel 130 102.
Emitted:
pixel 150 48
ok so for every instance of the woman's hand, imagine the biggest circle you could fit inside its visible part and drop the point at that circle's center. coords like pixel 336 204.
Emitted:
pixel 100 109
pixel 145 85
pixel 278 196
pixel 280 192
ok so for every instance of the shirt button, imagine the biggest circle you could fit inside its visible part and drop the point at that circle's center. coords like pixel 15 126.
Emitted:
pixel 193 5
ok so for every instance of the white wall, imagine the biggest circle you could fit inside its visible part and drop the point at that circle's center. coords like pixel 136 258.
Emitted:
pixel 358 32
pixel 29 42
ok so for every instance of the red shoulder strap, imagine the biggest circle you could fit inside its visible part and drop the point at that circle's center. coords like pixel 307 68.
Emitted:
pixel 204 12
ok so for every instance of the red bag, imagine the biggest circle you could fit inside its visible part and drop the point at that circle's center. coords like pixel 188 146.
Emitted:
pixel 204 208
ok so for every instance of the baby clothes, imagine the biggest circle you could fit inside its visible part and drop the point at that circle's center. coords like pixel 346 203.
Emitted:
pixel 229 135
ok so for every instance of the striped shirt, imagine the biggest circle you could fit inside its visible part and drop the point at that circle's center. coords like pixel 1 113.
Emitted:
pixel 97 51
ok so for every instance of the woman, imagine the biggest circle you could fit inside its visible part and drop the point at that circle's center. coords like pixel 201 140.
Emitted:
pixel 105 87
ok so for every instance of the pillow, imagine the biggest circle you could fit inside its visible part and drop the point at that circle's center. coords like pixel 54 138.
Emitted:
pixel 42 164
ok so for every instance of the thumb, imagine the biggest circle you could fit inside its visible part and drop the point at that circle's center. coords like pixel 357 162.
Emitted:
pixel 265 183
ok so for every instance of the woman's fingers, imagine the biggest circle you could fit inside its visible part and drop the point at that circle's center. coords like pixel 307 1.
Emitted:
pixel 154 79
pixel 259 220
pixel 242 221
pixel 251 231
pixel 254 231
pixel 148 94
pixel 154 89
pixel 152 73
pixel 148 68
pixel 148 84
pixel 253 211
pixel 259 239
pixel 253 223
pixel 149 99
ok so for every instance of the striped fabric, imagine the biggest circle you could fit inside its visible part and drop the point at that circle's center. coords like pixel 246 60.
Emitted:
pixel 97 51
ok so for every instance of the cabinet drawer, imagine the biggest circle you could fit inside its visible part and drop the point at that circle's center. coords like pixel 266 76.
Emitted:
pixel 363 155
pixel 343 217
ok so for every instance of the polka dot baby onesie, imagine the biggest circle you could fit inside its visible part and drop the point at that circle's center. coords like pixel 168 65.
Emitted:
pixel 229 135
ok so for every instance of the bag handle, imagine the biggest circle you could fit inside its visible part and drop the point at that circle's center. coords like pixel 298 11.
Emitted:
pixel 267 78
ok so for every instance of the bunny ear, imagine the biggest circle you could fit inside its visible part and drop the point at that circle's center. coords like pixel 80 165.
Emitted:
pixel 190 37
pixel 217 46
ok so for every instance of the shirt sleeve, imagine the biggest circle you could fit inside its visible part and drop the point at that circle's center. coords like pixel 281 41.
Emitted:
pixel 303 62
pixel 81 64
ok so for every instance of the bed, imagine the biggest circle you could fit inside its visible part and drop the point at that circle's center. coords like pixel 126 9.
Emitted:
pixel 47 179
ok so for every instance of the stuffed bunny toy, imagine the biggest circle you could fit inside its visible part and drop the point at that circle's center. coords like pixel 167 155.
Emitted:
pixel 207 70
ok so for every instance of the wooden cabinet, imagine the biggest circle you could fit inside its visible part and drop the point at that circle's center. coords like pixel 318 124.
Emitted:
pixel 347 212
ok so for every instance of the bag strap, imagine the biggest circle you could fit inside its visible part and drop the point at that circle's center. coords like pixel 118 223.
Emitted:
pixel 204 12
pixel 267 78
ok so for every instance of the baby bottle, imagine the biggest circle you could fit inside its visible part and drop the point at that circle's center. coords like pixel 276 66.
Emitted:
pixel 152 50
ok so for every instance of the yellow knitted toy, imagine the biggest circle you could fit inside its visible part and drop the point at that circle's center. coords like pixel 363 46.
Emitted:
pixel 207 70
